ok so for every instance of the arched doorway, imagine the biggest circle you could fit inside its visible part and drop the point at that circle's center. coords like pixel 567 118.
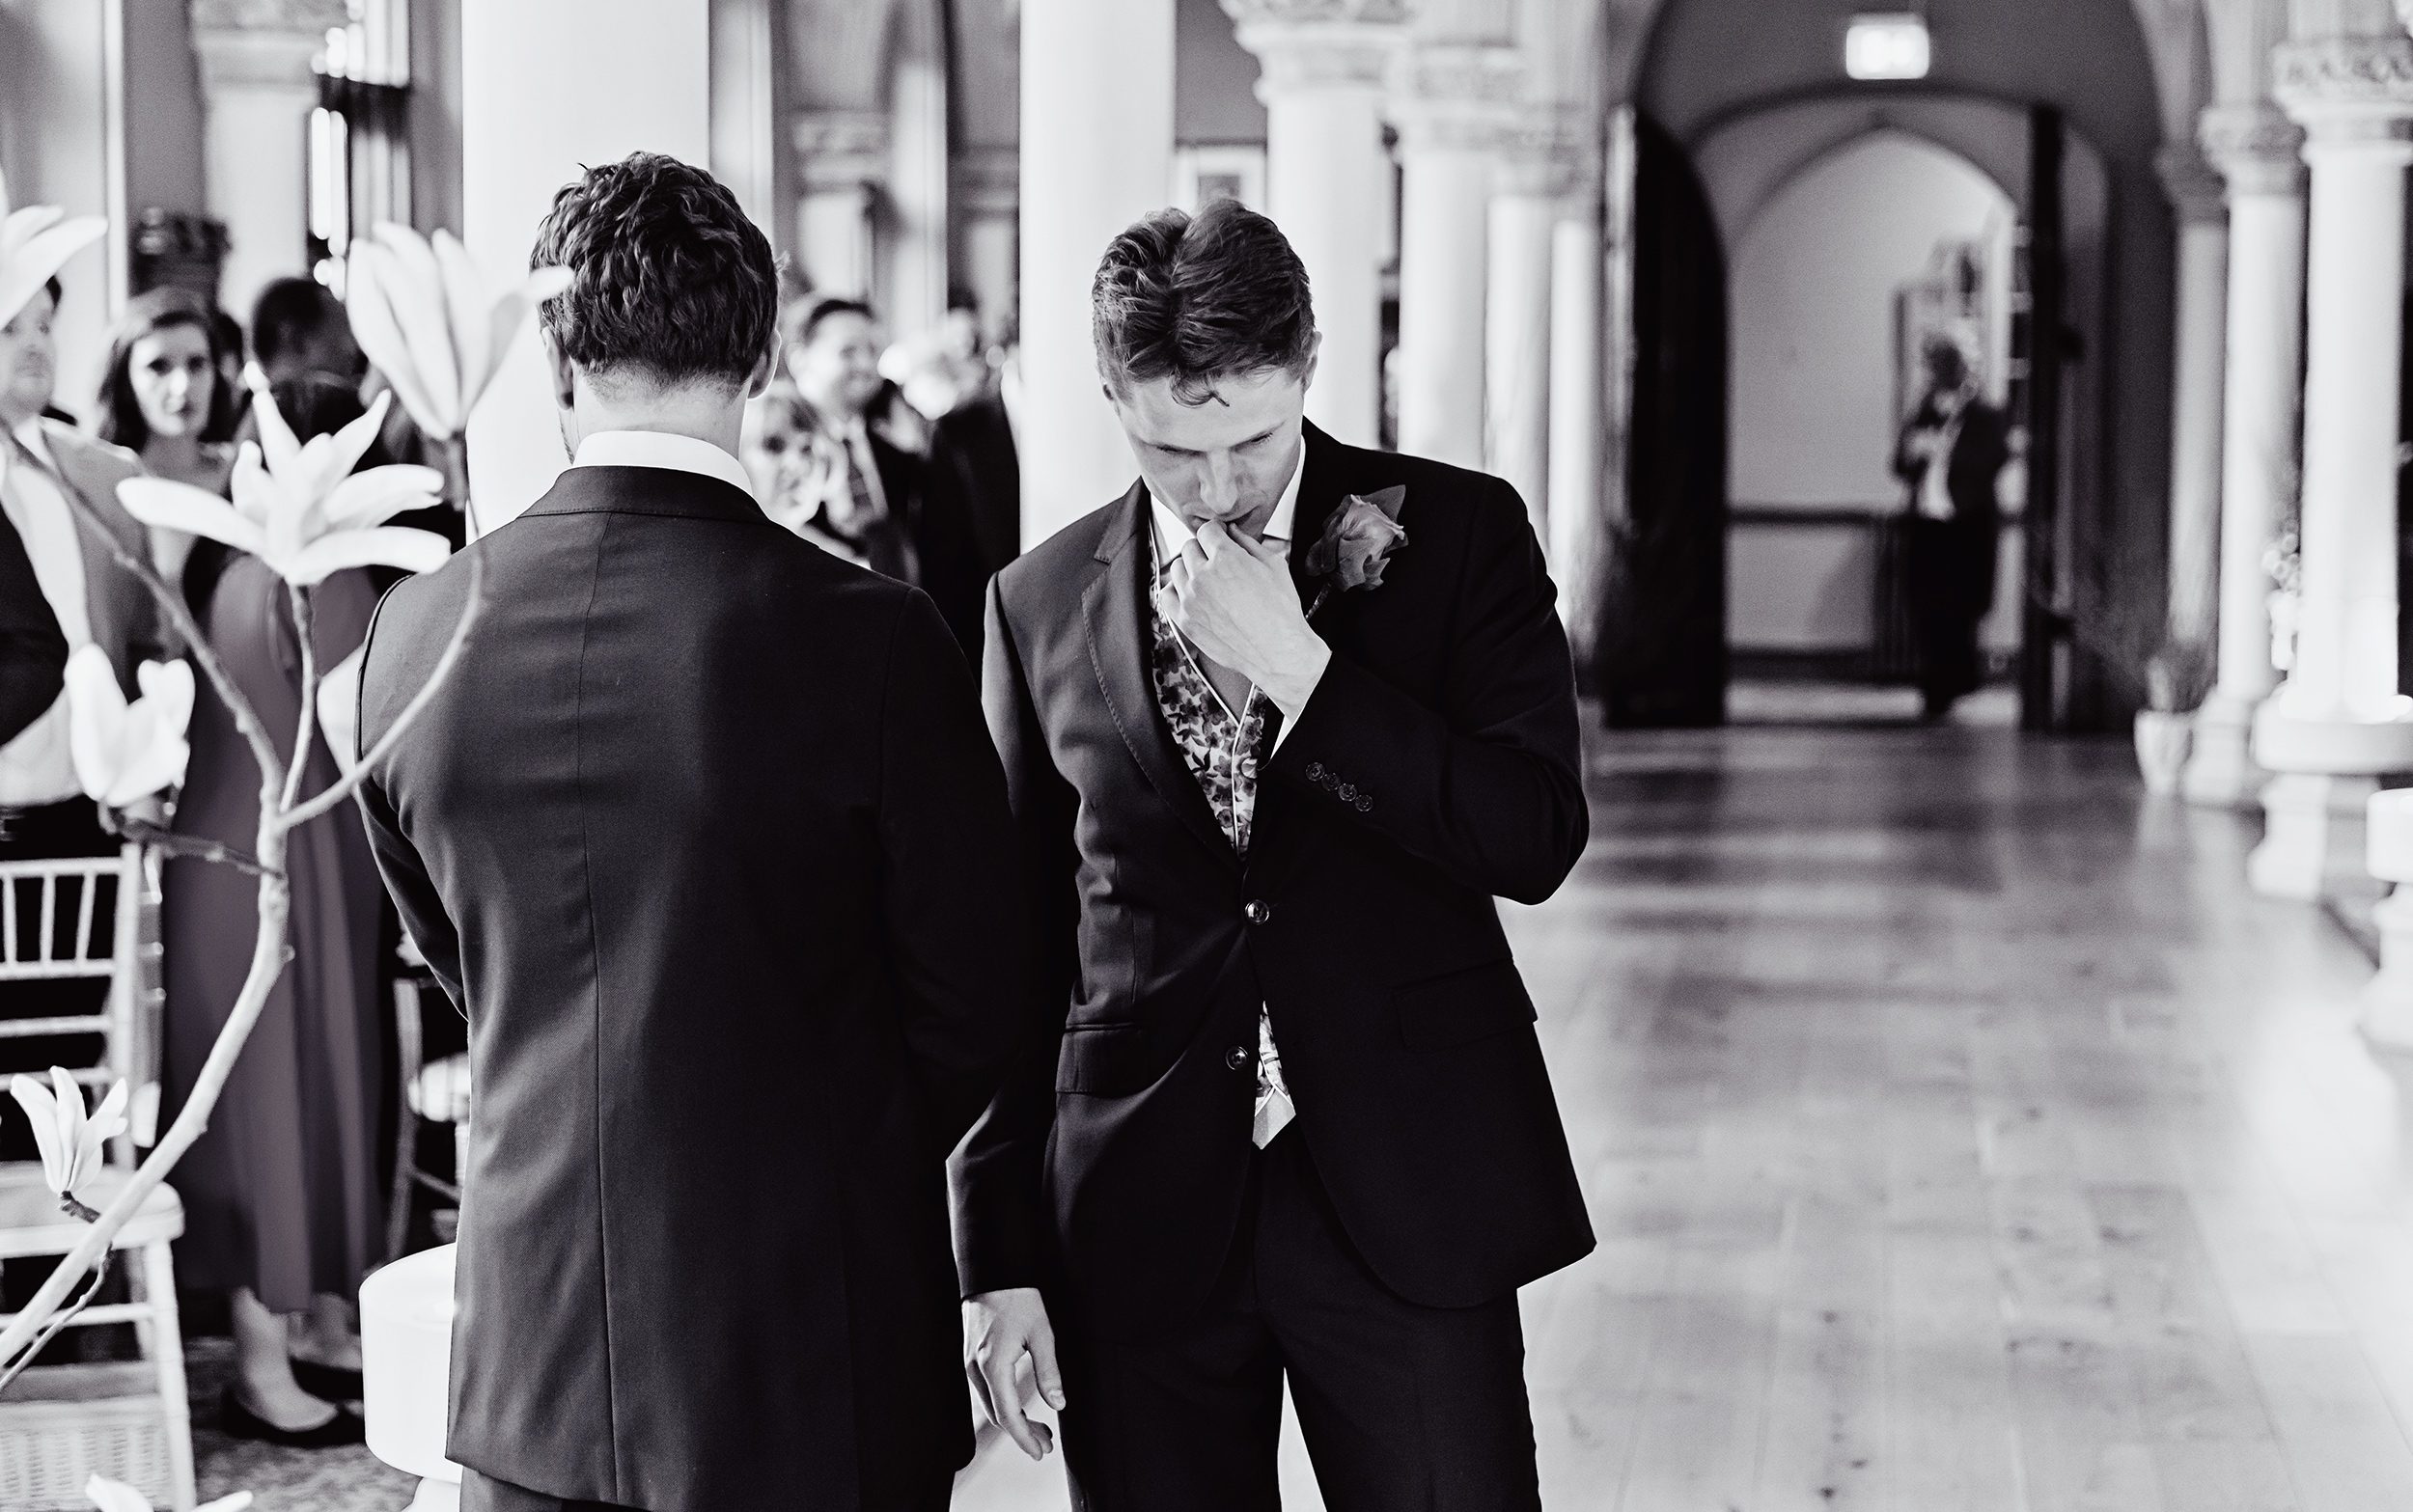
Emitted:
pixel 2054 101
pixel 1838 275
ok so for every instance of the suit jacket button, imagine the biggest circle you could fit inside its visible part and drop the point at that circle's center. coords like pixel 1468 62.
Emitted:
pixel 1364 802
pixel 1348 792
pixel 1236 1057
pixel 1315 771
pixel 1258 911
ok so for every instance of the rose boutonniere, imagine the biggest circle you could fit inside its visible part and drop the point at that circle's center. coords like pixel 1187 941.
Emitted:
pixel 1357 541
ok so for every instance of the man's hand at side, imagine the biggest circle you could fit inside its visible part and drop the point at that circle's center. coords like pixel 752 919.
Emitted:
pixel 1007 1340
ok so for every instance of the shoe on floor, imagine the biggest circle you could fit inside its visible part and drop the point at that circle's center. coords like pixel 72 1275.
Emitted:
pixel 237 1421
pixel 327 1383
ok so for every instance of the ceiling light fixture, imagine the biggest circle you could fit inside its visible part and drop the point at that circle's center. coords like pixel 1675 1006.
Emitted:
pixel 1890 46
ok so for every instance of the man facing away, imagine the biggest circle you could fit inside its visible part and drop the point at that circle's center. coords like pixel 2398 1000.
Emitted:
pixel 1278 725
pixel 704 836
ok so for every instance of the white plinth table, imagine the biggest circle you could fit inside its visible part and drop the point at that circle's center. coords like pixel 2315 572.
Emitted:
pixel 2388 1001
pixel 405 1368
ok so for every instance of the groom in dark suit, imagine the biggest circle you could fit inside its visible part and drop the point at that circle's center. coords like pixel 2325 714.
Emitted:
pixel 1278 725
pixel 704 836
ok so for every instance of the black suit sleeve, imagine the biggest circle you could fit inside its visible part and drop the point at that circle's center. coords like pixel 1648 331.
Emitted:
pixel 407 880
pixel 1488 786
pixel 952 912
pixel 1001 1220
pixel 33 652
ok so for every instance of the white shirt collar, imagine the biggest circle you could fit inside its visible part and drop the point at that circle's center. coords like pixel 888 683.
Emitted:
pixel 1173 533
pixel 660 449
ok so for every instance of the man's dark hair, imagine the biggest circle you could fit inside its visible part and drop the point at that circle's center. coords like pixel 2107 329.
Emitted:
pixel 289 315
pixel 805 315
pixel 1199 298
pixel 673 280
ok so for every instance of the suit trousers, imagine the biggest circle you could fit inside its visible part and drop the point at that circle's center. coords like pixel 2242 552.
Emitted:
pixel 1403 1408
pixel 481 1493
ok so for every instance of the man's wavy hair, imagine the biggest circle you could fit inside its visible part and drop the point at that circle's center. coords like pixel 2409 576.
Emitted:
pixel 673 280
pixel 1199 299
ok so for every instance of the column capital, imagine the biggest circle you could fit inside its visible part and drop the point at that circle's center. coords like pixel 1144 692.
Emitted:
pixel 252 44
pixel 314 19
pixel 1457 97
pixel 2256 147
pixel 2196 191
pixel 1540 154
pixel 1311 44
pixel 839 148
pixel 987 181
pixel 2348 90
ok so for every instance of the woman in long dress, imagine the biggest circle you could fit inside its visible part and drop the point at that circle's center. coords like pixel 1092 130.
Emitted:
pixel 281 1197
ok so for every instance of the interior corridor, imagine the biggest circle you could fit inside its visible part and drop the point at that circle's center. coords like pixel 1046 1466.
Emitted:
pixel 1960 1133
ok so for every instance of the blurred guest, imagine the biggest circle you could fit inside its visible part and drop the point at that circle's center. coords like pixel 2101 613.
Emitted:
pixel 33 652
pixel 856 492
pixel 974 468
pixel 298 326
pixel 228 333
pixel 47 472
pixel 281 1198
pixel 1952 450
pixel 164 397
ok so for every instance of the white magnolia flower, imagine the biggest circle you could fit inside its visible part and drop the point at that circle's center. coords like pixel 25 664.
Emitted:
pixel 35 243
pixel 423 315
pixel 125 752
pixel 70 1141
pixel 301 509
pixel 111 1495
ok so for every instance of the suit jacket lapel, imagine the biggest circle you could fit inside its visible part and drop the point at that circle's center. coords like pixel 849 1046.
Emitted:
pixel 1319 493
pixel 1114 610
pixel 1276 837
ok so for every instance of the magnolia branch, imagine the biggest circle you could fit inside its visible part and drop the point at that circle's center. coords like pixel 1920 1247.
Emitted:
pixel 58 1325
pixel 181 619
pixel 26 1333
pixel 349 783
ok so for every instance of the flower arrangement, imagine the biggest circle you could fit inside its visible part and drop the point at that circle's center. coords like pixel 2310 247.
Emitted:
pixel 301 509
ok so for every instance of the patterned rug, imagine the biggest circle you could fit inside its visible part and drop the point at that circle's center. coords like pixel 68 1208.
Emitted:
pixel 280 1481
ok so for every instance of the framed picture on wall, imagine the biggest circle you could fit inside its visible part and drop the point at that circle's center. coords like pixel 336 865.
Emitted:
pixel 1203 175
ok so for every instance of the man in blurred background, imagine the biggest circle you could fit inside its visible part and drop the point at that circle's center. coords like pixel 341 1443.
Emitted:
pixel 856 492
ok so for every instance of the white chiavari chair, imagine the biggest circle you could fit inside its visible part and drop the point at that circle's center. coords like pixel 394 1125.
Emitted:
pixel 69 921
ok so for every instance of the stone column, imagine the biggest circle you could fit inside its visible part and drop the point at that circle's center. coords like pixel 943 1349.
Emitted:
pixel 746 112
pixel 643 80
pixel 2195 191
pixel 913 290
pixel 257 92
pixel 987 208
pixel 1578 420
pixel 2338 724
pixel 1324 64
pixel 1535 170
pixel 2259 151
pixel 842 157
pixel 1453 111
pixel 1097 156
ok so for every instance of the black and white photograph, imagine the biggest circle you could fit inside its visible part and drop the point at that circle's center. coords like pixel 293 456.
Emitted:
pixel 1206 755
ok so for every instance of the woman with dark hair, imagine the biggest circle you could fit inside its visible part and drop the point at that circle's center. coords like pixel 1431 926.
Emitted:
pixel 281 1196
pixel 164 398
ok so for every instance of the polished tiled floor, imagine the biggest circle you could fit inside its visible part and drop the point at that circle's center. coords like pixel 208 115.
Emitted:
pixel 1962 1135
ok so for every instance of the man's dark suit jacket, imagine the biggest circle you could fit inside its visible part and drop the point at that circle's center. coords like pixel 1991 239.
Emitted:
pixel 975 465
pixel 704 836
pixel 33 652
pixel 1436 766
